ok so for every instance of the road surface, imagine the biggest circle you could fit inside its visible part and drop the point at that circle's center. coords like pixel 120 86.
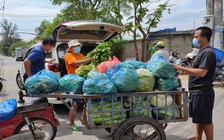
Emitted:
pixel 174 131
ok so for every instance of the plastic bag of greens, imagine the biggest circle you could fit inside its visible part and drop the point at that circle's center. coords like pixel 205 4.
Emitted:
pixel 71 83
pixel 124 76
pixel 169 113
pixel 42 82
pixel 160 67
pixel 94 74
pixel 123 65
pixel 146 80
pixel 99 86
pixel 136 64
pixel 167 84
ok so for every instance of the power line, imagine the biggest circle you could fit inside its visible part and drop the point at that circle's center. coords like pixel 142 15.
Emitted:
pixel 30 16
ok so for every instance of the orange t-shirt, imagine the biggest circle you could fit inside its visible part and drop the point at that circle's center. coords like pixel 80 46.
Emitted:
pixel 71 58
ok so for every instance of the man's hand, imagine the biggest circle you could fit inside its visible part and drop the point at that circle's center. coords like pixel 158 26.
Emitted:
pixel 178 67
pixel 49 60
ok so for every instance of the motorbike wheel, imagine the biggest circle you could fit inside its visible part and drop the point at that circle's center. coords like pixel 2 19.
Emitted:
pixel 39 124
pixel 19 82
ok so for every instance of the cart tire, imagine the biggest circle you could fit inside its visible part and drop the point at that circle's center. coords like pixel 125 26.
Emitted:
pixel 140 127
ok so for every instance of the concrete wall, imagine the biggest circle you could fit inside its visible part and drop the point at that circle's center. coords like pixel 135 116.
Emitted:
pixel 179 41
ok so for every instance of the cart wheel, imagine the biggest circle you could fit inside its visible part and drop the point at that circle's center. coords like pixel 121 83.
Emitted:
pixel 140 128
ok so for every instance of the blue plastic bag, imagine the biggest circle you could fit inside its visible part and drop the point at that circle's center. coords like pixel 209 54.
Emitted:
pixel 99 86
pixel 167 84
pixel 136 64
pixel 124 76
pixel 160 67
pixel 44 81
pixel 7 109
pixel 71 83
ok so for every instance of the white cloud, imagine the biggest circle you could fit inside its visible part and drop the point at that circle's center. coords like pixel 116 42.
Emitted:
pixel 28 14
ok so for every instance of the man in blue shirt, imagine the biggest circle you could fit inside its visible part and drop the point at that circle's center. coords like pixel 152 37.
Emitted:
pixel 35 62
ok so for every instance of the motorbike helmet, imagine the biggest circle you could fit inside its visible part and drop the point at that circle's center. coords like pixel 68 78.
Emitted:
pixel 160 44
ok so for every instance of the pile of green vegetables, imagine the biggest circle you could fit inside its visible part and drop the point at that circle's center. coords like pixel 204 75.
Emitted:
pixel 101 53
pixel 105 114
pixel 83 70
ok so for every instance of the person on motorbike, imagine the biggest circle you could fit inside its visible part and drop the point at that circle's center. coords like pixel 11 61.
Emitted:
pixel 160 46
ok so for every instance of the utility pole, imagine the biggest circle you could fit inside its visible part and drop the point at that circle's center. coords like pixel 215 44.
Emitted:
pixel 3 8
pixel 214 20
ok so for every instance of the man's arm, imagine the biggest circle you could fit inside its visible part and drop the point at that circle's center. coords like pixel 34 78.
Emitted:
pixel 199 72
pixel 27 66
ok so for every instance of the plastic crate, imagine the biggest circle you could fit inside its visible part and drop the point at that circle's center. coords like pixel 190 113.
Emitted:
pixel 219 55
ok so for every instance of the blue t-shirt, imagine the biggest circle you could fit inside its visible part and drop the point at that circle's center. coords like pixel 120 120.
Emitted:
pixel 37 58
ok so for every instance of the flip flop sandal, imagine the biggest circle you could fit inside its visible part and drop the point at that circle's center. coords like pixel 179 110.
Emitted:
pixel 192 138
pixel 75 128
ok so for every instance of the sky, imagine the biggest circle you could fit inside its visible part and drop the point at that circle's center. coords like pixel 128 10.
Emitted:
pixel 28 14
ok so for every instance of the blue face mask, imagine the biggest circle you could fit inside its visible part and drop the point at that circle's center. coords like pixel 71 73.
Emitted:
pixel 77 50
pixel 196 43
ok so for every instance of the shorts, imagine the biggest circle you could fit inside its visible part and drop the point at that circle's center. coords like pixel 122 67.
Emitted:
pixel 73 102
pixel 201 106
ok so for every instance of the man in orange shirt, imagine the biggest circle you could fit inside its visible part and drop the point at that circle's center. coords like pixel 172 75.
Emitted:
pixel 73 59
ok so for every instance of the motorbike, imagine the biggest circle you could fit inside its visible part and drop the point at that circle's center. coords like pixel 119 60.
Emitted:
pixel 35 121
pixel 219 74
pixel 1 83
pixel 185 62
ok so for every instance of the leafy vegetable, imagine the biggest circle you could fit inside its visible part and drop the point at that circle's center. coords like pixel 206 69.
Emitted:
pixel 83 70
pixel 146 80
pixel 101 53
pixel 161 100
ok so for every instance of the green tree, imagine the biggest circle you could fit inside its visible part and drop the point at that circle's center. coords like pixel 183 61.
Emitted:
pixel 16 45
pixel 41 30
pixel 102 10
pixel 144 19
pixel 8 34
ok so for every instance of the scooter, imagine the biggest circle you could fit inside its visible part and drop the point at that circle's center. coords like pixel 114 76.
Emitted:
pixel 1 83
pixel 36 121
pixel 219 74
pixel 174 58
pixel 185 62
pixel 189 58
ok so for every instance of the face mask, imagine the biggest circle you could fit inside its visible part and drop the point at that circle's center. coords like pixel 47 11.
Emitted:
pixel 77 50
pixel 196 43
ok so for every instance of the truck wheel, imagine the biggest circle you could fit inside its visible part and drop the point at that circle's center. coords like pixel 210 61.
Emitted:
pixel 140 128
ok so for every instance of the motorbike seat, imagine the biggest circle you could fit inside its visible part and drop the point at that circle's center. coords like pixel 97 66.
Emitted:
pixel 31 107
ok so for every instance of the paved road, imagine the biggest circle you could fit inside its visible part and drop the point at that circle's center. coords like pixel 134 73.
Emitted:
pixel 174 131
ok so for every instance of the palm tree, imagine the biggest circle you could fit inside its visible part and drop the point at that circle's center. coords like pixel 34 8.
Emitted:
pixel 8 34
